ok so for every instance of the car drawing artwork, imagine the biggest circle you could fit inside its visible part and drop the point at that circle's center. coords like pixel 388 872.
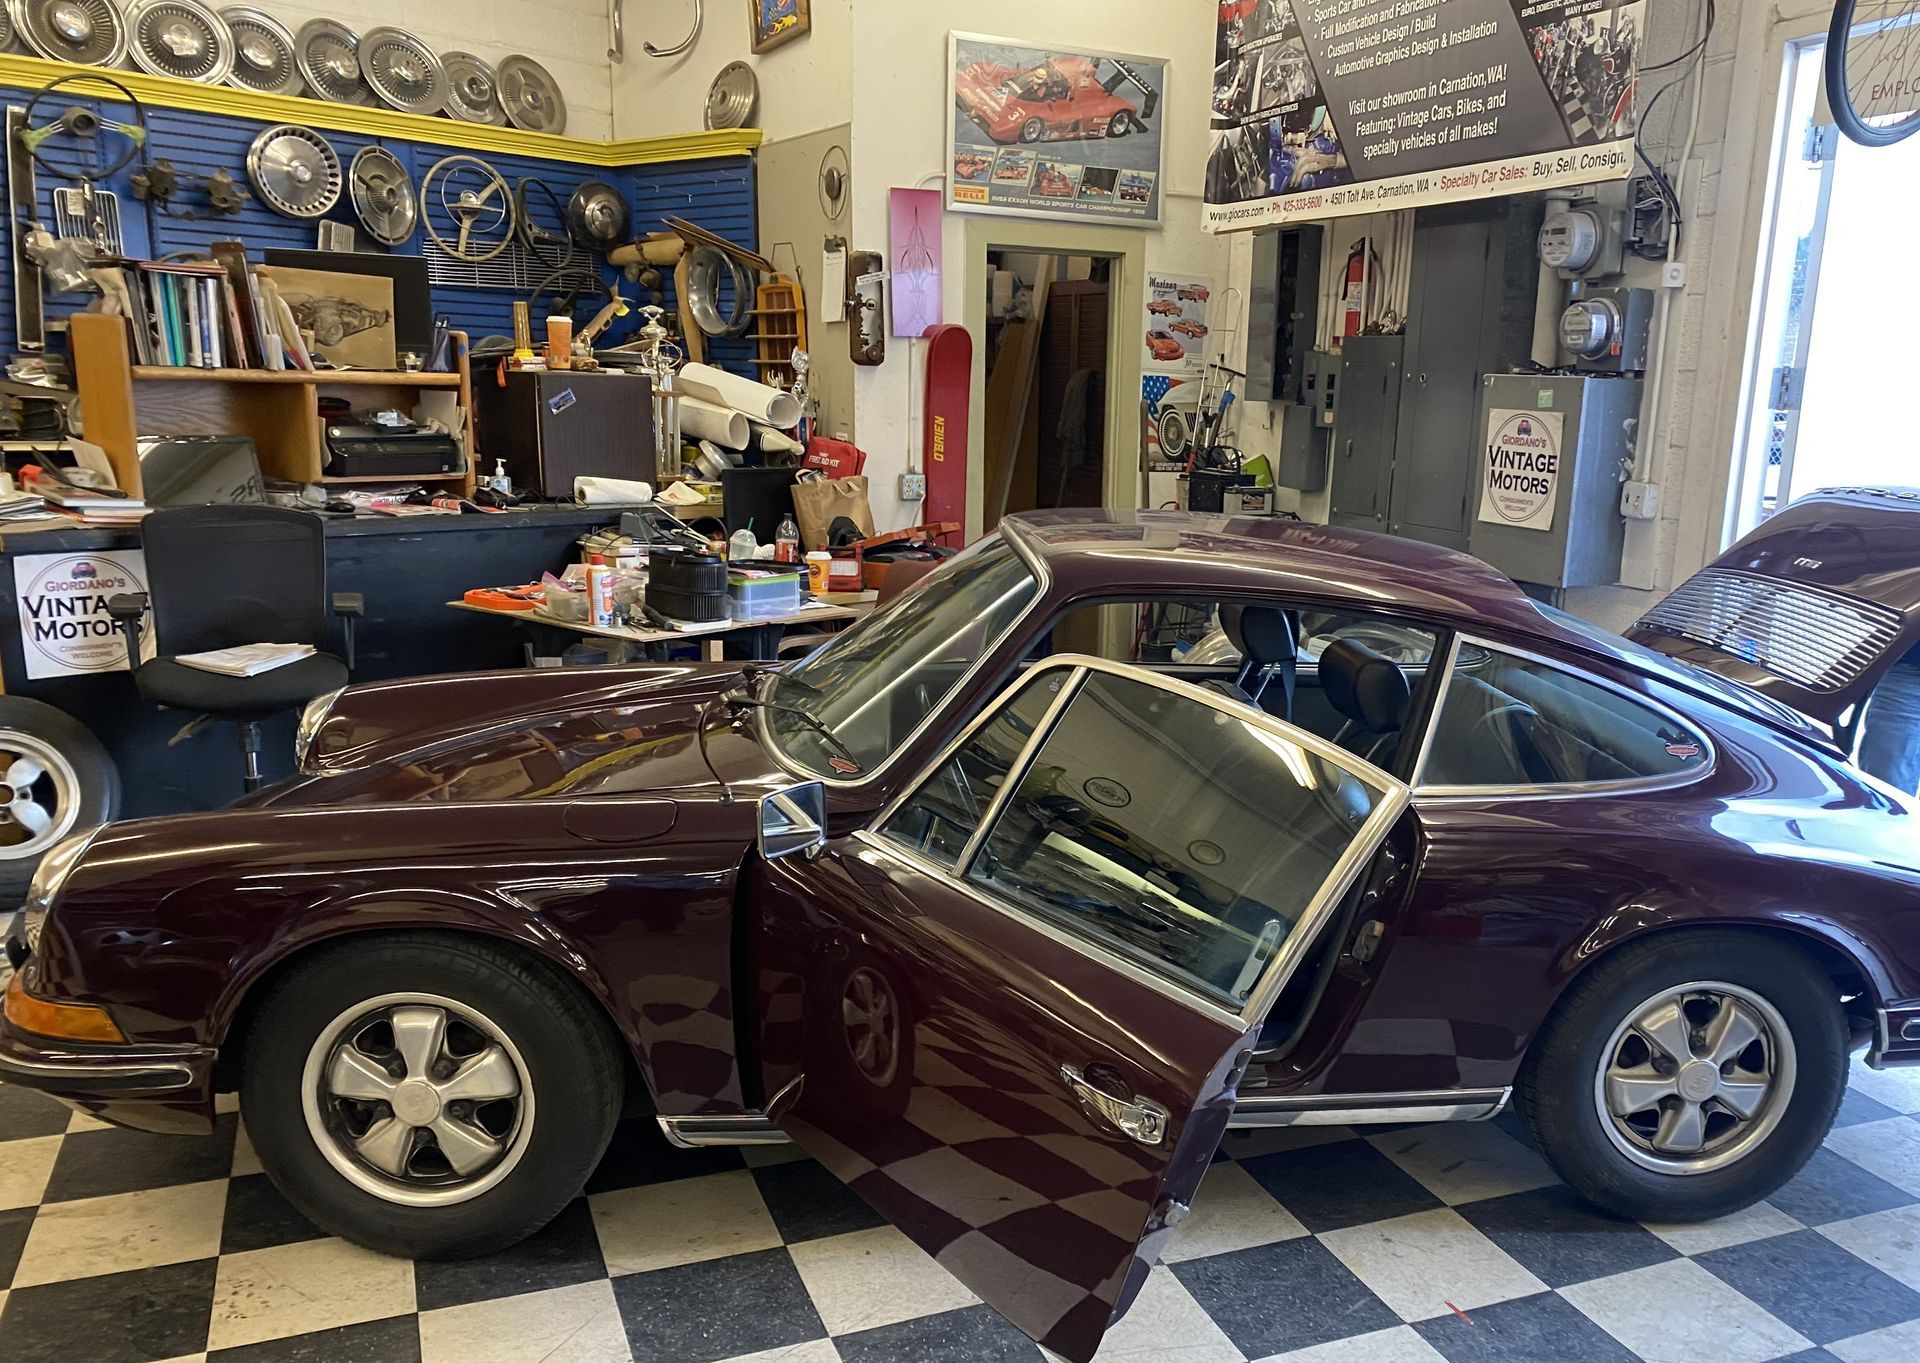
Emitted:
pixel 1164 307
pixel 1165 346
pixel 1116 831
pixel 1062 99
pixel 1196 330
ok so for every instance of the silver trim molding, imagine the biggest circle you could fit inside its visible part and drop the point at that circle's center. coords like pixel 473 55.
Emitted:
pixel 695 1133
pixel 1370 1109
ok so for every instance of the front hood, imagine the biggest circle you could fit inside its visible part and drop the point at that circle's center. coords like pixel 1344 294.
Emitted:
pixel 1811 609
pixel 527 735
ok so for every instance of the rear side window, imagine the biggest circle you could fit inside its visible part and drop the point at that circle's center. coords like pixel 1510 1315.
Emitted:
pixel 1508 721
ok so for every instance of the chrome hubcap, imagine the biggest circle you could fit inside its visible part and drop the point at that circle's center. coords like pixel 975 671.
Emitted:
pixel 39 795
pixel 1695 1078
pixel 418 1099
pixel 872 1026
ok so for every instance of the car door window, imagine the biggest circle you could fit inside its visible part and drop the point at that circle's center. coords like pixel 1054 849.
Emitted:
pixel 1509 721
pixel 1173 833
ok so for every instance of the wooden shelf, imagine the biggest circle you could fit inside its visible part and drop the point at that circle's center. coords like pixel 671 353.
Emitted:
pixel 169 373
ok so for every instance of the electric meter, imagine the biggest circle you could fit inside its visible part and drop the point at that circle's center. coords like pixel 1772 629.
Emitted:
pixel 1589 327
pixel 1570 240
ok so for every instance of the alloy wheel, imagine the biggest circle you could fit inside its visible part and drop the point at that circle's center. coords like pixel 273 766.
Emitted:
pixel 39 795
pixel 1695 1078
pixel 418 1099
pixel 871 1017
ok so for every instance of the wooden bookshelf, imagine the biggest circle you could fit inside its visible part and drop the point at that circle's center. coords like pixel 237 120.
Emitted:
pixel 278 410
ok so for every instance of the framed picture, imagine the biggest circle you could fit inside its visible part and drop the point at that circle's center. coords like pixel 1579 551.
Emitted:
pixel 1049 132
pixel 778 21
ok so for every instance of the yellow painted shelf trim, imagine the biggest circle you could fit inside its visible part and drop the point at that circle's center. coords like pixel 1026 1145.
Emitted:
pixel 30 73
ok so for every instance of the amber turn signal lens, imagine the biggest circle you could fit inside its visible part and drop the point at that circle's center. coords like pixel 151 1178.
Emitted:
pixel 66 1021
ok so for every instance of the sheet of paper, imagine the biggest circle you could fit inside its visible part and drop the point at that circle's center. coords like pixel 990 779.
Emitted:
pixel 833 283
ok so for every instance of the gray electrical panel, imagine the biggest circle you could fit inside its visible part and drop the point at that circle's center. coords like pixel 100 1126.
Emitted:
pixel 1546 501
pixel 1283 312
pixel 1366 431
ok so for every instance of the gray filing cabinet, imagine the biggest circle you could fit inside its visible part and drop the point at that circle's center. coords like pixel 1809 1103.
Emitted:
pixel 1366 431
pixel 1559 526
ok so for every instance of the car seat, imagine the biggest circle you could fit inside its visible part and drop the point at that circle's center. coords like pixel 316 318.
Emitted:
pixel 1371 693
pixel 1268 641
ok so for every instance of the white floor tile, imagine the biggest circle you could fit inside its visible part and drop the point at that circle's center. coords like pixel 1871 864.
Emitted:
pixel 1166 1323
pixel 1895 1344
pixel 1890 1149
pixel 1757 1222
pixel 580 1324
pixel 297 1289
pixel 1889 1240
pixel 813 1351
pixel 1898 1089
pixel 1400 1345
pixel 1463 1162
pixel 1677 1312
pixel 25 1167
pixel 874 1277
pixel 244 1160
pixel 1231 1211
pixel 687 1221
pixel 99 1235
pixel 1427 1264
pixel 80 1121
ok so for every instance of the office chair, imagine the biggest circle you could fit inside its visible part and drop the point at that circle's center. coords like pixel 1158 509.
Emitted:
pixel 224 576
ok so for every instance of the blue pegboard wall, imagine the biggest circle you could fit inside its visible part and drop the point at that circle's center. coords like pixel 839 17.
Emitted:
pixel 717 193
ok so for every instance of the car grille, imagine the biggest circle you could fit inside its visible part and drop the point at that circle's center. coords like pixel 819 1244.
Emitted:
pixel 1818 639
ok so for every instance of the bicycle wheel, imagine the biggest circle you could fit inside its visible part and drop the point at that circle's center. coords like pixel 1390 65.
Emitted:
pixel 1873 70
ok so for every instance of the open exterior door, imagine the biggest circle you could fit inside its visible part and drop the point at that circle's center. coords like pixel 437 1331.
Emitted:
pixel 1013 1013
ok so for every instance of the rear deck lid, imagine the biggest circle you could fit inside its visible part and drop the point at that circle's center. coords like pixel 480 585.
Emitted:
pixel 1811 609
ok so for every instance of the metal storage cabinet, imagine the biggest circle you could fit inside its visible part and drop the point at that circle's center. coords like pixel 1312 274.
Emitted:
pixel 1366 431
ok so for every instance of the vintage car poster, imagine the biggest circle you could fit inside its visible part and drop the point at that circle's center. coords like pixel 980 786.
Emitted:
pixel 1177 307
pixel 1520 477
pixel 1325 108
pixel 1054 133
pixel 65 630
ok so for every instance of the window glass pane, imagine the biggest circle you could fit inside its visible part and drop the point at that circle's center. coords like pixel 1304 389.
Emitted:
pixel 939 818
pixel 1510 722
pixel 1186 839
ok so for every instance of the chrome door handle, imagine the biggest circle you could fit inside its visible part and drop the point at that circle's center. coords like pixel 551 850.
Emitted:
pixel 1139 1118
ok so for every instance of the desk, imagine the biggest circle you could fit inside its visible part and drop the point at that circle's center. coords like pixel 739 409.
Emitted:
pixel 711 637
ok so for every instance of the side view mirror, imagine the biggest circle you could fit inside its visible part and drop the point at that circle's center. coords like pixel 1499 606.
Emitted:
pixel 793 820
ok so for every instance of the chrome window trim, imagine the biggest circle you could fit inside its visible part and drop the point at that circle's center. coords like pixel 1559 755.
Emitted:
pixel 1566 790
pixel 1394 797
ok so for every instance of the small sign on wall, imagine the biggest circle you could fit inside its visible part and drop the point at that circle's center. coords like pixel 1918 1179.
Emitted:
pixel 65 630
pixel 1520 470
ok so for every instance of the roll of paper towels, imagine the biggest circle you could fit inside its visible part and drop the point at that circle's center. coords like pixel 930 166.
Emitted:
pixel 710 421
pixel 770 406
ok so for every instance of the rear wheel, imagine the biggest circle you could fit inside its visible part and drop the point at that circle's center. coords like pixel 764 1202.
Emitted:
pixel 1032 130
pixel 433 1097
pixel 1689 1076
pixel 1120 126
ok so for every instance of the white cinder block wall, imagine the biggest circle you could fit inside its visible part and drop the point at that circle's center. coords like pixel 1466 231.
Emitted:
pixel 568 37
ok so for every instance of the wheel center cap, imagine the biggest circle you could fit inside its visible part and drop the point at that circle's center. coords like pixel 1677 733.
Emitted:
pixel 1698 1080
pixel 416 1103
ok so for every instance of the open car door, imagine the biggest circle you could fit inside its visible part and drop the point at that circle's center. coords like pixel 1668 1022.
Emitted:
pixel 1012 1013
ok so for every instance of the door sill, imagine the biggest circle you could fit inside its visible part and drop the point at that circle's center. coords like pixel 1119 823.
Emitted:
pixel 695 1133
pixel 1370 1109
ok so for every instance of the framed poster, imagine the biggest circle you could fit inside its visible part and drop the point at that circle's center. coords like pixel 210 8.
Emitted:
pixel 778 21
pixel 1038 132
pixel 1324 110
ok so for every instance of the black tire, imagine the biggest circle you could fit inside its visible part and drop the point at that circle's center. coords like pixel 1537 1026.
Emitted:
pixel 1556 1098
pixel 569 1051
pixel 1121 125
pixel 90 776
pixel 1032 130
pixel 1839 56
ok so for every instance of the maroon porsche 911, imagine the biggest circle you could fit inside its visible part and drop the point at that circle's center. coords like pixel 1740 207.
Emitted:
pixel 1118 830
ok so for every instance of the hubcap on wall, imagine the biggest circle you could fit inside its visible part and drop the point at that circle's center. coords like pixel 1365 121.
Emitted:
pixel 1695 1078
pixel 418 1099
pixel 39 795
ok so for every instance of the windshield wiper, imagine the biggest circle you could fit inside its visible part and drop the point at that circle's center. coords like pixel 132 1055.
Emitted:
pixel 740 700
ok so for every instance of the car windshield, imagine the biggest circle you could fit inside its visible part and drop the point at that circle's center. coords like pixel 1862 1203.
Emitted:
pixel 847 708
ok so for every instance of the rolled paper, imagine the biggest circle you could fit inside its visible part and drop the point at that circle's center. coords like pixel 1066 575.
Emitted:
pixel 770 406
pixel 703 420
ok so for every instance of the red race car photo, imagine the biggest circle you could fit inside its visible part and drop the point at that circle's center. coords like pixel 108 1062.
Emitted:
pixel 969 167
pixel 1165 346
pixel 1062 99
pixel 1054 183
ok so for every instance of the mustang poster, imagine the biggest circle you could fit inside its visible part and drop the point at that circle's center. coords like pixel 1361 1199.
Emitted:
pixel 1325 108
pixel 1049 133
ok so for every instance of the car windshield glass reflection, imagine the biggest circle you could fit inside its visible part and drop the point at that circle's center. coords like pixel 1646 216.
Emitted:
pixel 875 684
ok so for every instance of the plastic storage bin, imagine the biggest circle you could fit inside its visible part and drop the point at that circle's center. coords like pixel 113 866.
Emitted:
pixel 759 595
pixel 690 587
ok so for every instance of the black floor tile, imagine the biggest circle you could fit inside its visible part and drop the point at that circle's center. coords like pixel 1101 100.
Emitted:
pixel 808 1203
pixel 1808 1356
pixel 102 1163
pixel 1856 1108
pixel 1814 1285
pixel 1834 1188
pixel 640 1155
pixel 1332 1187
pixel 24 1113
pixel 975 1335
pixel 14 1226
pixel 259 1217
pixel 137 1317
pixel 396 1340
pixel 566 1251
pixel 1559 1238
pixel 724 1308
pixel 1278 1298
pixel 1528 1330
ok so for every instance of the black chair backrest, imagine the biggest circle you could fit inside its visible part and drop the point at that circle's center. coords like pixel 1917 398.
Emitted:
pixel 222 576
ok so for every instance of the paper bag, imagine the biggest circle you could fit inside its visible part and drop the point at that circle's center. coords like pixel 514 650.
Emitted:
pixel 817 503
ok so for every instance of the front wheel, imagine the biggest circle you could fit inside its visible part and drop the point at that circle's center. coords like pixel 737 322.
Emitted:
pixel 1689 1076
pixel 1121 125
pixel 1032 130
pixel 433 1097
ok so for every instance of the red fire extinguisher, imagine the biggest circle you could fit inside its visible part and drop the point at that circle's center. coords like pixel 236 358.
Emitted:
pixel 1358 293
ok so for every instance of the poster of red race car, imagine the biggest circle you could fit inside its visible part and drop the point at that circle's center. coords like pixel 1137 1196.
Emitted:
pixel 1098 115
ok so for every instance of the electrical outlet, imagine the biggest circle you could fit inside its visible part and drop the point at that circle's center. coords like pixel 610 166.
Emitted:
pixel 913 487
pixel 1640 501
pixel 1674 274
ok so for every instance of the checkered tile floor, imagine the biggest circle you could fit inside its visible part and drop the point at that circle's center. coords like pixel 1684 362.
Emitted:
pixel 1409 1245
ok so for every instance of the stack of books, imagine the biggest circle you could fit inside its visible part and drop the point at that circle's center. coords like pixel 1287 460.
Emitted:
pixel 218 314
pixel 93 508
pixel 247 660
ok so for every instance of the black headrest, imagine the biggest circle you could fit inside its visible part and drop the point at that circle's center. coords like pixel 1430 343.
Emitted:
pixel 1263 634
pixel 1365 687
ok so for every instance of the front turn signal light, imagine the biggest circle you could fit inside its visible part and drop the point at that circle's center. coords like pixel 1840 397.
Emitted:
pixel 64 1021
